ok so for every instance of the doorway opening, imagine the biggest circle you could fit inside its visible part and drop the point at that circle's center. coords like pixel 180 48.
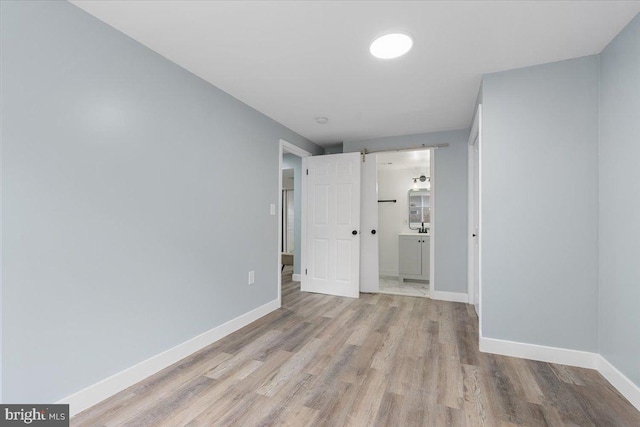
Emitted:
pixel 288 201
pixel 405 222
pixel 290 192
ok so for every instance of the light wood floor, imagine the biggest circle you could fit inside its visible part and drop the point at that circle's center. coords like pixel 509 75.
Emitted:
pixel 379 360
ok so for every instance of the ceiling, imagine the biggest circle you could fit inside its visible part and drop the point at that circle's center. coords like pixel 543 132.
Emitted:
pixel 396 160
pixel 297 60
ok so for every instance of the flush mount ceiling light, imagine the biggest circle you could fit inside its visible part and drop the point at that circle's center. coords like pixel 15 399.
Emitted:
pixel 391 46
pixel 322 120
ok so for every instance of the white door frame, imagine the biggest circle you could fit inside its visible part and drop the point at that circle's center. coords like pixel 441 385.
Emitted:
pixel 432 227
pixel 287 147
pixel 475 135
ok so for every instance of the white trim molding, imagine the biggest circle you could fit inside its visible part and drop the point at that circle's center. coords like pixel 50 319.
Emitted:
pixel 623 384
pixel 294 149
pixel 581 359
pixel 433 226
pixel 474 172
pixel 296 277
pixel 101 390
pixel 449 296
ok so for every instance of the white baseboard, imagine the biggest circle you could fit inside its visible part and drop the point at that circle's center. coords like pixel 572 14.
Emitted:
pixel 617 379
pixel 296 277
pixel 449 296
pixel 101 390
pixel 582 359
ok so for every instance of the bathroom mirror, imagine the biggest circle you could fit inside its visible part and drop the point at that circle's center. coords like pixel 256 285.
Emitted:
pixel 419 209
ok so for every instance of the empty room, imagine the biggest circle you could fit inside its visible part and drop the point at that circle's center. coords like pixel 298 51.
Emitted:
pixel 322 213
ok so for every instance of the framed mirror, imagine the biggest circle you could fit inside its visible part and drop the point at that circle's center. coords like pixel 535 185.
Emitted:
pixel 419 209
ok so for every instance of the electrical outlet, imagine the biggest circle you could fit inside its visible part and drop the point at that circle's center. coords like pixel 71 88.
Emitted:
pixel 252 277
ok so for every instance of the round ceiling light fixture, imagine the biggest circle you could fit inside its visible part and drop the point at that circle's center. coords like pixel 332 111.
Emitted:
pixel 391 46
pixel 322 120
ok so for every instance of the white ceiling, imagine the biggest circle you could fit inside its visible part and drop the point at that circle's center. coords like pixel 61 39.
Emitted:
pixel 296 60
pixel 394 160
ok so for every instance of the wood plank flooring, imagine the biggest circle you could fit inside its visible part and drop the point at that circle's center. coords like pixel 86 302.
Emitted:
pixel 381 360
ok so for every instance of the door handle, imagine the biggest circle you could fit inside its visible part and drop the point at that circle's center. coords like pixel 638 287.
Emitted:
pixel 354 232
pixel 373 231
pixel 474 235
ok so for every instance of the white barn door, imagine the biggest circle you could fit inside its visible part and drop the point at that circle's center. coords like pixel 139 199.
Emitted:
pixel 369 263
pixel 332 224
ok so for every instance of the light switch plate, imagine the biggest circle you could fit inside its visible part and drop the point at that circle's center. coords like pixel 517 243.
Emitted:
pixel 252 277
pixel 273 208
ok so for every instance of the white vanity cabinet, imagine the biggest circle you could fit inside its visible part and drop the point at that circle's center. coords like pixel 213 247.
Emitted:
pixel 414 256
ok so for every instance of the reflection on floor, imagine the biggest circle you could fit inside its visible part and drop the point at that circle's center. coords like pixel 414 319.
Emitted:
pixel 388 285
pixel 391 285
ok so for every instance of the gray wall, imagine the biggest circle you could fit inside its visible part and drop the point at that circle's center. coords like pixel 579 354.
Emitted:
pixel 123 235
pixel 333 149
pixel 291 161
pixel 540 204
pixel 450 183
pixel 619 316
